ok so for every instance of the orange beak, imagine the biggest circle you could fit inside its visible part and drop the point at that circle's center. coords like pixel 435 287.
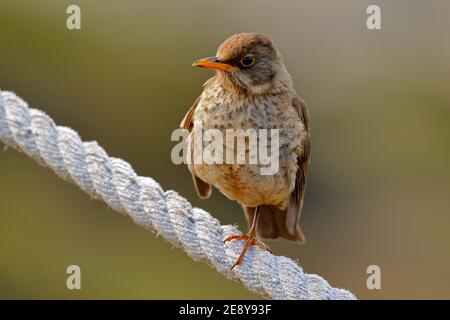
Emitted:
pixel 214 63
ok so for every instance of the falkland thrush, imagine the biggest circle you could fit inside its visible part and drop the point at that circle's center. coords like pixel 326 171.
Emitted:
pixel 253 90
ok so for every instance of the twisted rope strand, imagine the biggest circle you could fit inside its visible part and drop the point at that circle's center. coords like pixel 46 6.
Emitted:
pixel 114 181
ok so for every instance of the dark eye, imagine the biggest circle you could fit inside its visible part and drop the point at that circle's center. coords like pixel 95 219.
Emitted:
pixel 247 61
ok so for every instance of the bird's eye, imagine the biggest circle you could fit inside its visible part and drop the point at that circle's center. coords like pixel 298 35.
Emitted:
pixel 247 61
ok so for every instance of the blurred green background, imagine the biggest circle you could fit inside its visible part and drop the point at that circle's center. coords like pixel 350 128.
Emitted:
pixel 379 184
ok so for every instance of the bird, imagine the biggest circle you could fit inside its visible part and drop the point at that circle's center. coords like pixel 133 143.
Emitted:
pixel 253 89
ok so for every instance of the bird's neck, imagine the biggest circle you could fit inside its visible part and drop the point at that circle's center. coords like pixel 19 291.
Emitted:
pixel 279 86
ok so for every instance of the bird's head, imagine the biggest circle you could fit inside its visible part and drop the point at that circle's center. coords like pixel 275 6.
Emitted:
pixel 251 62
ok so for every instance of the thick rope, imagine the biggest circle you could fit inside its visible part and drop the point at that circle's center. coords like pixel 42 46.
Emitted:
pixel 165 212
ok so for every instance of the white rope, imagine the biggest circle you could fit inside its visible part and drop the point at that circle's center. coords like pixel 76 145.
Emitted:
pixel 165 212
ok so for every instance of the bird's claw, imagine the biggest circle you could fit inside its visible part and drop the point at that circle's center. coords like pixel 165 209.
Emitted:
pixel 250 240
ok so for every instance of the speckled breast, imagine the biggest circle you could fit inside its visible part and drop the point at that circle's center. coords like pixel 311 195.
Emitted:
pixel 245 183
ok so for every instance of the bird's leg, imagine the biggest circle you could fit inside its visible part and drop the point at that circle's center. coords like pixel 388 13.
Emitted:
pixel 250 239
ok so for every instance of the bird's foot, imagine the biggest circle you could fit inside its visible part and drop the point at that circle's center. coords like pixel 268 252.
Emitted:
pixel 250 240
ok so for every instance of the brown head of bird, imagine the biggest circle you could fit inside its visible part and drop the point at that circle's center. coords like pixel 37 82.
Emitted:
pixel 249 62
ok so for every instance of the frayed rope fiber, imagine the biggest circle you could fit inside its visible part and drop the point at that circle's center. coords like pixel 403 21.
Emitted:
pixel 165 212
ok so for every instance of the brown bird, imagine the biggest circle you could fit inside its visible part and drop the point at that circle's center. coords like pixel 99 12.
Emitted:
pixel 252 89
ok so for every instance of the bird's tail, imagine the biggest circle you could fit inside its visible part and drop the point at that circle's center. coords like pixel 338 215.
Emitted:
pixel 272 224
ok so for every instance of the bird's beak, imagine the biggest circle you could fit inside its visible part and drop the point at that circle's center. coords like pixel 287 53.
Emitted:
pixel 214 64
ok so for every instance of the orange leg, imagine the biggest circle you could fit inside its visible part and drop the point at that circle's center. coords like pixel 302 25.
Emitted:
pixel 250 239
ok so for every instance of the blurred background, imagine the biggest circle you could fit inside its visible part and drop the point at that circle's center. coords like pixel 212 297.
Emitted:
pixel 379 183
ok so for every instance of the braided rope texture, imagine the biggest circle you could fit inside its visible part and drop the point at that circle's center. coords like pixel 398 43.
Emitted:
pixel 166 213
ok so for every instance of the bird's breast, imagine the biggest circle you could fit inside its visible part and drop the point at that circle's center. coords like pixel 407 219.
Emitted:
pixel 229 112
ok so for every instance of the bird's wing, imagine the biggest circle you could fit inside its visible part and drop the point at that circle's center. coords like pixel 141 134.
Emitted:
pixel 203 189
pixel 187 123
pixel 296 201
